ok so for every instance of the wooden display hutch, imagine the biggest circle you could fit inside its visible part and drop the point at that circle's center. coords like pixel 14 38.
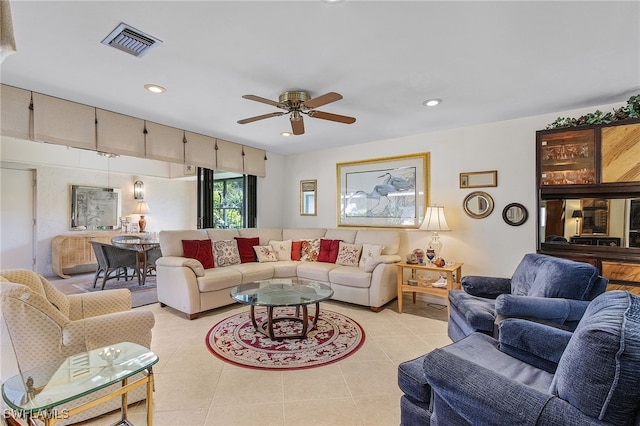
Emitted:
pixel 595 169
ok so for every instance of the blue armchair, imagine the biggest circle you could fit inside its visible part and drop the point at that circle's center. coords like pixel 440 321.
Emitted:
pixel 590 377
pixel 543 288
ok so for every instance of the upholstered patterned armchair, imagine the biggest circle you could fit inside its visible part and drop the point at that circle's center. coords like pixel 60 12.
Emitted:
pixel 44 325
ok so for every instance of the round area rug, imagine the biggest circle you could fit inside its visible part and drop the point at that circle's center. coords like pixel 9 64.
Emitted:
pixel 234 340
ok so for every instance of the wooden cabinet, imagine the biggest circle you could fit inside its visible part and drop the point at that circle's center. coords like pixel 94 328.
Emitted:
pixel 590 176
pixel 73 250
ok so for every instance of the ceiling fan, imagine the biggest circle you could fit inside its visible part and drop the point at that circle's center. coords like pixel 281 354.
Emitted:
pixel 297 102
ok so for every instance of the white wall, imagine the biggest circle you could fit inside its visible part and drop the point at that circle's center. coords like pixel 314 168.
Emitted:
pixel 486 246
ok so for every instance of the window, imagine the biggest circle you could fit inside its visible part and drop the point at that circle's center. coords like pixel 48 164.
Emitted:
pixel 226 200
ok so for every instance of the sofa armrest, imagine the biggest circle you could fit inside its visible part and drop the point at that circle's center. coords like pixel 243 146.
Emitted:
pixel 482 396
pixel 178 262
pixel 131 326
pixel 543 308
pixel 390 258
pixel 487 287
pixel 98 303
pixel 534 343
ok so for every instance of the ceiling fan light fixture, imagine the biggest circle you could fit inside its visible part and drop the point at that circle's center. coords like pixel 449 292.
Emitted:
pixel 432 102
pixel 154 88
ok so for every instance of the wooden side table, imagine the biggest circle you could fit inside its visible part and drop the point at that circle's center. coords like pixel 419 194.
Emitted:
pixel 426 286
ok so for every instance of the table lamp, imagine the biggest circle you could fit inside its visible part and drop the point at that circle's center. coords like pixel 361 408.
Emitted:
pixel 435 221
pixel 142 209
pixel 578 215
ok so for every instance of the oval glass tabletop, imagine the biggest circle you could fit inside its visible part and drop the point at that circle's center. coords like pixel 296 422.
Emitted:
pixel 281 292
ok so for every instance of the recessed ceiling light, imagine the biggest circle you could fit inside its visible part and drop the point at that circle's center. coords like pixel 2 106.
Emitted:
pixel 154 88
pixel 286 134
pixel 432 102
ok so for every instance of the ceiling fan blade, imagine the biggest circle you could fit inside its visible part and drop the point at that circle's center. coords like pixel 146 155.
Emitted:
pixel 297 126
pixel 261 117
pixel 264 101
pixel 332 117
pixel 322 100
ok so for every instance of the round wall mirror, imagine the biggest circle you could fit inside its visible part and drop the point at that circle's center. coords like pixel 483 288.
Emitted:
pixel 515 214
pixel 478 204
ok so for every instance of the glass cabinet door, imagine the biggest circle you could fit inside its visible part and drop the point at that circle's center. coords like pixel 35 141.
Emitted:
pixel 567 158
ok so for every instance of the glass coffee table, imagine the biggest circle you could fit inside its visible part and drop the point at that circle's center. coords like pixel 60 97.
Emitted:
pixel 37 393
pixel 280 293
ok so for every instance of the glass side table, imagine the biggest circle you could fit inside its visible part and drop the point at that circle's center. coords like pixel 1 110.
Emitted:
pixel 36 393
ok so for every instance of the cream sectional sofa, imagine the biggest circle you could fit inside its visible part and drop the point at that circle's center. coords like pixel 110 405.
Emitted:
pixel 185 285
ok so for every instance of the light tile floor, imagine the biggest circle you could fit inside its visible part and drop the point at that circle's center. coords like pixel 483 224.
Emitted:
pixel 193 387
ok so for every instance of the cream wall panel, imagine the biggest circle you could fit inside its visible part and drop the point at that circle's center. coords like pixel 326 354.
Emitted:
pixel 229 156
pixel 15 113
pixel 63 122
pixel 120 134
pixel 254 161
pixel 164 143
pixel 200 150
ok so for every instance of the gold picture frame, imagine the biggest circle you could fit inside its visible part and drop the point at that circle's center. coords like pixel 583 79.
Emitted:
pixel 486 179
pixel 388 192
pixel 309 197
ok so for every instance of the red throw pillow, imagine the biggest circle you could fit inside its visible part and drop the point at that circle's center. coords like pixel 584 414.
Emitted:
pixel 328 251
pixel 201 250
pixel 245 248
pixel 296 249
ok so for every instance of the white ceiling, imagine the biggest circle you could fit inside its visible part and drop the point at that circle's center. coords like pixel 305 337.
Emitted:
pixel 488 61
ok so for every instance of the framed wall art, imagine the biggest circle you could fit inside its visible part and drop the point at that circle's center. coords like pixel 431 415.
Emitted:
pixel 383 192
pixel 95 208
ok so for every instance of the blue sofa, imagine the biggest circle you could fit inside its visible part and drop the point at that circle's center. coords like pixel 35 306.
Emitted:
pixel 543 288
pixel 589 377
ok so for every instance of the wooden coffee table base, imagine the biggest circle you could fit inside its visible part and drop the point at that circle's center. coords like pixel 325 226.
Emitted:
pixel 266 327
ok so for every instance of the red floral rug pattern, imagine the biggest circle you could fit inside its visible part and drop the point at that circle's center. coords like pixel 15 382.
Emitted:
pixel 335 337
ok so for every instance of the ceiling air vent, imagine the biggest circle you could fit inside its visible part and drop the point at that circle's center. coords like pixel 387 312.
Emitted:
pixel 130 40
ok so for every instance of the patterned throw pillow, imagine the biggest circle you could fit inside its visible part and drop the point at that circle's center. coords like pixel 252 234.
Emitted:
pixel 226 252
pixel 282 249
pixel 310 250
pixel 328 250
pixel 349 254
pixel 245 248
pixel 370 253
pixel 200 250
pixel 265 254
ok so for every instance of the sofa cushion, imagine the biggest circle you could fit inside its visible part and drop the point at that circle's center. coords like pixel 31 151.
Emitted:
pixel 346 235
pixel 349 254
pixel 216 234
pixel 225 252
pixel 296 249
pixel 254 271
pixel 300 234
pixel 350 276
pixel 219 279
pixel 478 312
pixel 370 251
pixel 605 346
pixel 316 271
pixel 171 241
pixel 282 249
pixel 547 276
pixel 265 234
pixel 265 254
pixel 201 250
pixel 245 248
pixel 285 268
pixel 310 250
pixel 388 238
pixel 328 250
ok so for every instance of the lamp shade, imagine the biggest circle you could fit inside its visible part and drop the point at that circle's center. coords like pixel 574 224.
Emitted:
pixel 141 208
pixel 434 220
pixel 577 213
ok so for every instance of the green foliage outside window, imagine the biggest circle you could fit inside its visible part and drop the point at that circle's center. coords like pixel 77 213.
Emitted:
pixel 228 203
